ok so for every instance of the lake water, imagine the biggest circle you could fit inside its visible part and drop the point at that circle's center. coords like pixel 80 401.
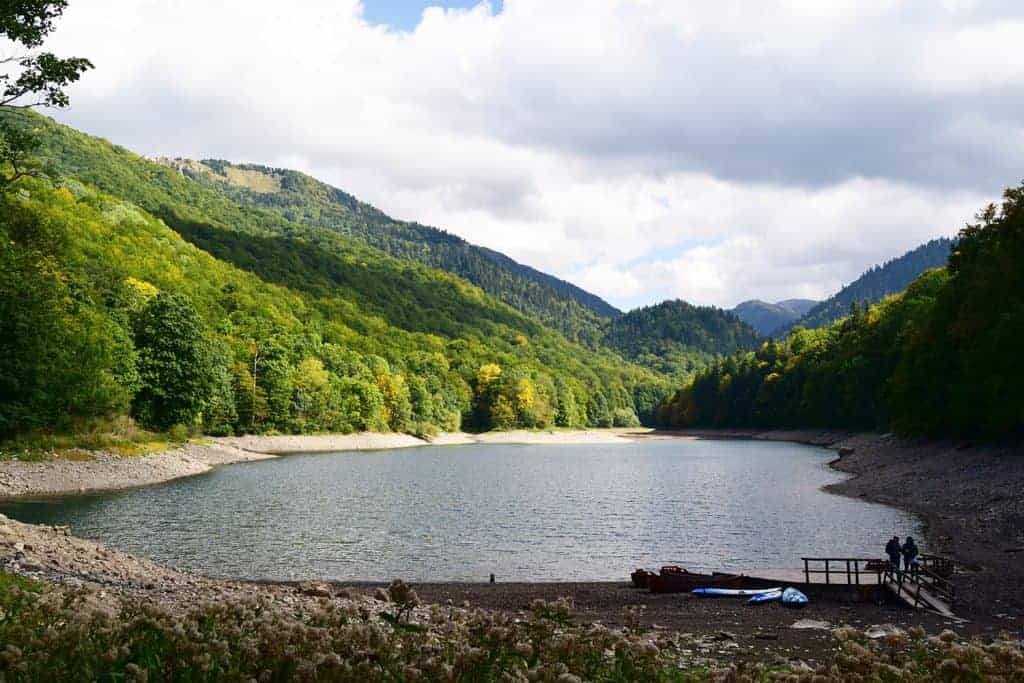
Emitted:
pixel 528 513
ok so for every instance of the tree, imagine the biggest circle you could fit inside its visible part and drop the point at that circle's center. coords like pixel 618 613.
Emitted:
pixel 31 79
pixel 176 363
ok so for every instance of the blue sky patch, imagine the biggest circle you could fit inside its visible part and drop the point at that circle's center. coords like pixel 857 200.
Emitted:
pixel 404 15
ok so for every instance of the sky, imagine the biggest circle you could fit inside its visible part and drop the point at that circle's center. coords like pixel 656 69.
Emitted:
pixel 647 149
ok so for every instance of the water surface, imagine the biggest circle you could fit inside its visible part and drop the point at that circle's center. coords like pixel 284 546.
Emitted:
pixel 527 513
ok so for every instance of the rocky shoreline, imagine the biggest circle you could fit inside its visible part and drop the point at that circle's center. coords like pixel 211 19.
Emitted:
pixel 104 471
pixel 967 495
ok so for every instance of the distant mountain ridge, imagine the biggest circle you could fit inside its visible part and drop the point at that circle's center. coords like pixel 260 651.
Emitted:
pixel 767 317
pixel 875 284
pixel 293 195
pixel 678 338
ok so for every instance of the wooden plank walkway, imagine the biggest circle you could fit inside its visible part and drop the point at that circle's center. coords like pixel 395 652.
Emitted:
pixel 925 599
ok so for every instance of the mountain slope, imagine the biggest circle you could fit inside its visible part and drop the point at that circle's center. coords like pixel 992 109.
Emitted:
pixel 940 359
pixel 296 328
pixel 678 338
pixel 298 197
pixel 875 284
pixel 766 317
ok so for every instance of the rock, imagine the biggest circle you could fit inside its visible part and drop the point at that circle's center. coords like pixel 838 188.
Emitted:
pixel 807 624
pixel 316 589
pixel 875 632
pixel 764 635
pixel 724 635
pixel 845 451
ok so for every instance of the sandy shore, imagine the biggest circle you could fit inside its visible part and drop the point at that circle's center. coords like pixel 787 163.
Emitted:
pixel 372 441
pixel 109 472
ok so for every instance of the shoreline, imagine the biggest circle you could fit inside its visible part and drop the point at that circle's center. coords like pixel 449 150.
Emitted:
pixel 878 464
pixel 967 496
pixel 109 472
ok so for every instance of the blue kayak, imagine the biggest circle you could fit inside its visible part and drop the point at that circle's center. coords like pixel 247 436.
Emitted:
pixel 791 597
pixel 764 598
pixel 732 592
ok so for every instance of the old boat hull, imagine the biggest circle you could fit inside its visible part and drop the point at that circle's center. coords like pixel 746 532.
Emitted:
pixel 685 582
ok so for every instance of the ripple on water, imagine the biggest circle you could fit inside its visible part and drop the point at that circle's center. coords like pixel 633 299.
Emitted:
pixel 529 513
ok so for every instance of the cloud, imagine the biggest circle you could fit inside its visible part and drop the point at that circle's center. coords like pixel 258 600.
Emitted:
pixel 713 151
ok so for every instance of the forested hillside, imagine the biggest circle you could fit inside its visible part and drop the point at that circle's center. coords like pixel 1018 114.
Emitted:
pixel 942 358
pixel 678 338
pixel 298 197
pixel 766 317
pixel 129 289
pixel 891 277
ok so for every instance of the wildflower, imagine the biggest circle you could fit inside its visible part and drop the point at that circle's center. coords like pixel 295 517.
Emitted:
pixel 135 674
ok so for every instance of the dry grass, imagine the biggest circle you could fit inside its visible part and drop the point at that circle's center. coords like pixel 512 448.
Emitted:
pixel 120 436
pixel 55 635
pixel 256 181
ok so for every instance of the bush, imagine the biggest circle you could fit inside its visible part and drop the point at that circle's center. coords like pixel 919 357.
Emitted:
pixel 624 417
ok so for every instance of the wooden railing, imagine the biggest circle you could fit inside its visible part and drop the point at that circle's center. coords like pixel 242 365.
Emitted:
pixel 845 570
pixel 942 566
pixel 911 582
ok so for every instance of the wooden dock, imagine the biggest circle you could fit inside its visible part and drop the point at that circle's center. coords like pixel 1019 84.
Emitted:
pixel 927 587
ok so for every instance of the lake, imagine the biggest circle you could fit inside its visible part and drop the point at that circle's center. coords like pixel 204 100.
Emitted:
pixel 460 513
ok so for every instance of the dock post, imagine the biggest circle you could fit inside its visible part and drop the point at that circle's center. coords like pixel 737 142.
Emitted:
pixel 492 578
pixel 807 571
pixel 848 581
pixel 826 573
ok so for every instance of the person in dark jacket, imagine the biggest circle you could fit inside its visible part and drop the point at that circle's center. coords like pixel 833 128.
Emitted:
pixel 910 553
pixel 892 549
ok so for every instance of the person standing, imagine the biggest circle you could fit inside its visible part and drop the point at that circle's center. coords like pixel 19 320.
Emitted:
pixel 892 549
pixel 910 553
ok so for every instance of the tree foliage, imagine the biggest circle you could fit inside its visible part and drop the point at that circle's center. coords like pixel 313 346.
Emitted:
pixel 229 318
pixel 939 359
pixel 678 338
pixel 32 79
pixel 297 197
pixel 873 285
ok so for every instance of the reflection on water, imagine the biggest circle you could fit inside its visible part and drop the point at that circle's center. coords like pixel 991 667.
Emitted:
pixel 462 512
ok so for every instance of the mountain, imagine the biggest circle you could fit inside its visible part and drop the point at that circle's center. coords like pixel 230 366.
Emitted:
pixel 127 288
pixel 875 284
pixel 675 337
pixel 765 317
pixel 300 198
pixel 939 359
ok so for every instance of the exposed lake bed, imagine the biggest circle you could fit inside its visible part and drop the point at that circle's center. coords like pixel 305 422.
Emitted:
pixel 56 556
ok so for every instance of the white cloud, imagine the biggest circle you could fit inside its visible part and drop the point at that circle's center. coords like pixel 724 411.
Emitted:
pixel 713 151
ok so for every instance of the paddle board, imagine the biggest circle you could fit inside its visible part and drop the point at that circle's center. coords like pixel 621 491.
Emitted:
pixel 732 592
pixel 764 598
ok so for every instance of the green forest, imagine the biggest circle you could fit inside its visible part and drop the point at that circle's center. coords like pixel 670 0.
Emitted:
pixel 873 285
pixel 940 359
pixel 677 338
pixel 130 290
pixel 211 297
pixel 297 197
